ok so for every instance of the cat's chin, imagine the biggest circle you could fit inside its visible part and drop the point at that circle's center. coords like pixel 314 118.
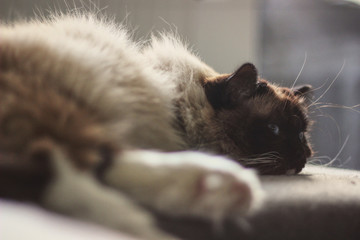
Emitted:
pixel 285 170
pixel 294 171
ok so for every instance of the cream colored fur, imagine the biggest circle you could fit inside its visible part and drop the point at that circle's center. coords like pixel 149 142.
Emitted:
pixel 137 91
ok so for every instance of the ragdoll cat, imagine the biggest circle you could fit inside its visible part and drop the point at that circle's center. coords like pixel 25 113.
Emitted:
pixel 96 126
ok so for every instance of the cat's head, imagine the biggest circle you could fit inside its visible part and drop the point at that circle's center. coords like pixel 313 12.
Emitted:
pixel 261 125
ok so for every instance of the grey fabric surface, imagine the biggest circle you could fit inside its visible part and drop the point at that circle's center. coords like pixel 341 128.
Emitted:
pixel 321 203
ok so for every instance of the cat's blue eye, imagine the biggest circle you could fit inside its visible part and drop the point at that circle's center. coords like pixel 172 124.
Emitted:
pixel 301 136
pixel 274 128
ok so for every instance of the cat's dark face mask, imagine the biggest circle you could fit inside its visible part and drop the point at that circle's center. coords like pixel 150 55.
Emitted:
pixel 265 126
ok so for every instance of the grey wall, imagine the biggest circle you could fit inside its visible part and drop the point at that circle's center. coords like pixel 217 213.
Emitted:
pixel 222 32
pixel 330 34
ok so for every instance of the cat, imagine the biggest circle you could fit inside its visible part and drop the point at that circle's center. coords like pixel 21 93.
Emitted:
pixel 97 126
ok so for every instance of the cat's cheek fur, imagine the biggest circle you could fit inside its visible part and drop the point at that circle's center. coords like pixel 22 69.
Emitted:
pixel 186 183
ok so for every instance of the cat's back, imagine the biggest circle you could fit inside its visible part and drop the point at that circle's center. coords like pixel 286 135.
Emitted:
pixel 94 63
pixel 73 52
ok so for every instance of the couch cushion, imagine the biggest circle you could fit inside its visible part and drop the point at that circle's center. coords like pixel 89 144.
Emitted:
pixel 320 203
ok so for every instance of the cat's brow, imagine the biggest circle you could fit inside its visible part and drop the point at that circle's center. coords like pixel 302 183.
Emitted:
pixel 296 121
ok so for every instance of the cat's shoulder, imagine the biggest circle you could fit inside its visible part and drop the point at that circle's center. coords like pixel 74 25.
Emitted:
pixel 168 52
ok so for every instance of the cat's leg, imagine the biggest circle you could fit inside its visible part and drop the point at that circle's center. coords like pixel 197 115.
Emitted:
pixel 77 193
pixel 186 183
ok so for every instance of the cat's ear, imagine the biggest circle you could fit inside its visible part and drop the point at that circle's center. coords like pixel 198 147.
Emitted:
pixel 303 90
pixel 225 92
pixel 243 81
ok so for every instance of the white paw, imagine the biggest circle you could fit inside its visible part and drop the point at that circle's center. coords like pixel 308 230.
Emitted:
pixel 220 194
pixel 188 183
pixel 219 188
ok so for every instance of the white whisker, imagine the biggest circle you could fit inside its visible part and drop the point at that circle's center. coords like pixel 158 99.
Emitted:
pixel 324 157
pixel 301 69
pixel 319 160
pixel 340 106
pixel 346 161
pixel 332 82
pixel 341 149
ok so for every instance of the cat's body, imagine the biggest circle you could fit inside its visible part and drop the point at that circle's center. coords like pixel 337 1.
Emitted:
pixel 91 106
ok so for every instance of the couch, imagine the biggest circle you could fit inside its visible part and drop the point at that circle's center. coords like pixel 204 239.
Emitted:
pixel 321 203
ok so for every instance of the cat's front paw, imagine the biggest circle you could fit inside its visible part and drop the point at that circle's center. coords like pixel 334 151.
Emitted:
pixel 214 187
pixel 188 184
pixel 220 194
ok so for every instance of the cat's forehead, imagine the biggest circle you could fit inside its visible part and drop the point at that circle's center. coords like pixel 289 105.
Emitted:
pixel 280 103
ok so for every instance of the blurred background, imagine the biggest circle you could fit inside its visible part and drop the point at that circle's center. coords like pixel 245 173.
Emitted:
pixel 307 41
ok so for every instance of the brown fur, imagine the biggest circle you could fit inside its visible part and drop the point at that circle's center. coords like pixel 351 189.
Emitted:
pixel 32 112
pixel 35 114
